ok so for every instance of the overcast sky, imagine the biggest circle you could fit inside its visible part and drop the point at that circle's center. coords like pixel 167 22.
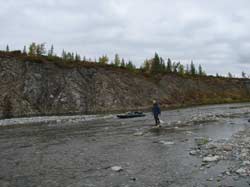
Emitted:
pixel 214 33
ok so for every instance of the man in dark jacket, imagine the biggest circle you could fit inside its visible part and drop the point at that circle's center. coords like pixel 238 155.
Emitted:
pixel 156 112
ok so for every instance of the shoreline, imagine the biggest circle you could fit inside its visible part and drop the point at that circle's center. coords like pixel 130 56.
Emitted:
pixel 75 119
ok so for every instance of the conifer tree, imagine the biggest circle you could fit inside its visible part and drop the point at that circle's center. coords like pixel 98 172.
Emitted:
pixel 162 65
pixel 146 67
pixel 181 70
pixel 200 71
pixel 192 68
pixel 117 61
pixel 51 51
pixel 243 74
pixel 77 58
pixel 156 66
pixel 64 54
pixel 187 71
pixel 175 67
pixel 169 65
pixel 7 48
pixel 130 66
pixel 24 50
pixel 123 63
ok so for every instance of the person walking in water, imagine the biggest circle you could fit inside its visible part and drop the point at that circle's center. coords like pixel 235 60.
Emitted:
pixel 156 112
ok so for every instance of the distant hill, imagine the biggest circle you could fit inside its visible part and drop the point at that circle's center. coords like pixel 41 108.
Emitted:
pixel 38 86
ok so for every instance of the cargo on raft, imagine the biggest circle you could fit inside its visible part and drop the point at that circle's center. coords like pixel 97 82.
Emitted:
pixel 131 115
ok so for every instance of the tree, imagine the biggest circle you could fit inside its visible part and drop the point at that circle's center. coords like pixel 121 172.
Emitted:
pixel 243 74
pixel 169 66
pixel 64 54
pixel 70 56
pixel 123 63
pixel 181 70
pixel 146 67
pixel 32 49
pixel 156 66
pixel 51 51
pixel 230 75
pixel 24 50
pixel 200 71
pixel 40 49
pixel 130 66
pixel 7 48
pixel 103 59
pixel 187 71
pixel 117 61
pixel 175 67
pixel 192 68
pixel 77 58
pixel 162 65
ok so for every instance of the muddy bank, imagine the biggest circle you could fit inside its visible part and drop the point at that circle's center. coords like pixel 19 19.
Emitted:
pixel 204 146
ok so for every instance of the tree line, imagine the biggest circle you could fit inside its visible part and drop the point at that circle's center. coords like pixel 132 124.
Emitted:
pixel 153 66
pixel 158 65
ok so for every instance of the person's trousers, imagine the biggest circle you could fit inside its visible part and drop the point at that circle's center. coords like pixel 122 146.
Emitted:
pixel 157 121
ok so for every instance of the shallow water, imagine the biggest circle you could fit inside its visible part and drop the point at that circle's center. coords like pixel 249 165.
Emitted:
pixel 83 154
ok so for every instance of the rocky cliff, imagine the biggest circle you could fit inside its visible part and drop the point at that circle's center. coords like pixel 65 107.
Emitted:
pixel 30 88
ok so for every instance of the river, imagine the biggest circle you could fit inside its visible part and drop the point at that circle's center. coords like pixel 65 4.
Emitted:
pixel 82 153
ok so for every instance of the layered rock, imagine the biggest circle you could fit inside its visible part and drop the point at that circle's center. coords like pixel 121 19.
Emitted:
pixel 30 88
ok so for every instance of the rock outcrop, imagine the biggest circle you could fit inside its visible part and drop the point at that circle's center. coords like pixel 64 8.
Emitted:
pixel 30 88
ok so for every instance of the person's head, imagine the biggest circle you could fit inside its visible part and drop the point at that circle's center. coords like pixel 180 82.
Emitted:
pixel 154 101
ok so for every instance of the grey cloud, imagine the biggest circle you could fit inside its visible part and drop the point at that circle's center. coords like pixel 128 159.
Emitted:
pixel 212 33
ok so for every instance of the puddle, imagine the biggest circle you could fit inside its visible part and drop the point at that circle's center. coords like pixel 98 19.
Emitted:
pixel 223 129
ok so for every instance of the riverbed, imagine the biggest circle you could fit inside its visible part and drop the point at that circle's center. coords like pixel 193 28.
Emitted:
pixel 107 151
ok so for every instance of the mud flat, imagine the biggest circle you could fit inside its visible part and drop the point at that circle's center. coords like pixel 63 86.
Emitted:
pixel 198 146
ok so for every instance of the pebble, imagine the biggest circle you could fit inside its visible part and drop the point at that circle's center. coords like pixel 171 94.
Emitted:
pixel 211 146
pixel 210 179
pixel 246 162
pixel 193 152
pixel 208 166
pixel 138 134
pixel 227 147
pixel 133 178
pixel 236 178
pixel 241 171
pixel 166 142
pixel 211 158
pixel 117 168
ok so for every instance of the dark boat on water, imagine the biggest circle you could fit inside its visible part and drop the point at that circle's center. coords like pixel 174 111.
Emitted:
pixel 131 115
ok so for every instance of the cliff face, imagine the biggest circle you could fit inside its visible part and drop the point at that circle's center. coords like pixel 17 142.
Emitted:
pixel 28 88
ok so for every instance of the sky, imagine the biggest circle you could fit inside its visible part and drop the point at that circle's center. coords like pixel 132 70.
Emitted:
pixel 213 33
